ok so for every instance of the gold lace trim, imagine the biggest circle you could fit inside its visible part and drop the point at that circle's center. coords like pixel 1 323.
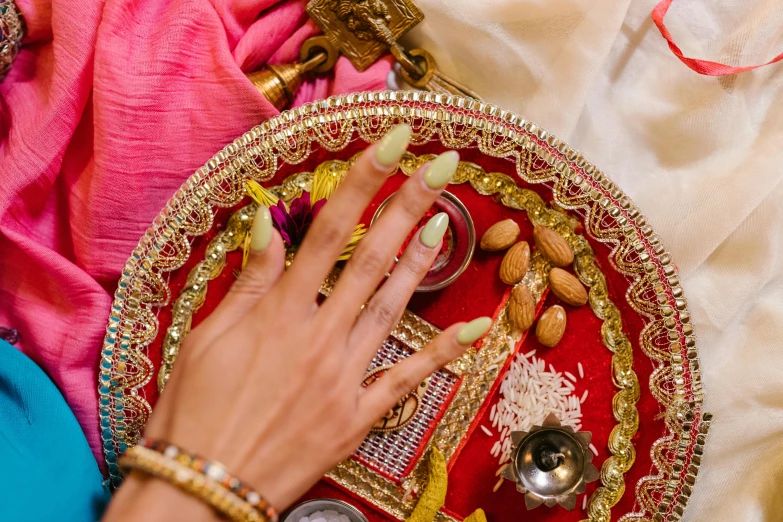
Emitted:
pixel 539 158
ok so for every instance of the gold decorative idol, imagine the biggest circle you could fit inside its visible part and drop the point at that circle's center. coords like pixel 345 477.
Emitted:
pixel 363 30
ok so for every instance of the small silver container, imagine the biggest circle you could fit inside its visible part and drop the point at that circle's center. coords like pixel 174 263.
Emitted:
pixel 462 243
pixel 305 509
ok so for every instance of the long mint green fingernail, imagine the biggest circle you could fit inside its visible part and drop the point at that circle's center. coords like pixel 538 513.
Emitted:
pixel 472 331
pixel 441 170
pixel 392 145
pixel 261 232
pixel 433 231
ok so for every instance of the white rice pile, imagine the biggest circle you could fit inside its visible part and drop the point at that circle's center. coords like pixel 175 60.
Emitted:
pixel 528 394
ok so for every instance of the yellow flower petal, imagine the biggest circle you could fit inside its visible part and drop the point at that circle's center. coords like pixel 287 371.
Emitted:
pixel 259 194
pixel 325 181
pixel 356 236
pixel 246 249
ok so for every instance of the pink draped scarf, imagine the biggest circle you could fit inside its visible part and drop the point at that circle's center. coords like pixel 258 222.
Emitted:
pixel 108 109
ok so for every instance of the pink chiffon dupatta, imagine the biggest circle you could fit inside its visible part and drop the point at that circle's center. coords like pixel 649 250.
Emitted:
pixel 108 109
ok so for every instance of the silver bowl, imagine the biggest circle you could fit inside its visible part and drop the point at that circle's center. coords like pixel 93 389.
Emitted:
pixel 456 210
pixel 309 507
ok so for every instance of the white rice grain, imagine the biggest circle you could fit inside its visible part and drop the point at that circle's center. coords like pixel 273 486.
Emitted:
pixel 593 449
pixel 584 397
pixel 529 392
pixel 500 358
pixel 495 449
pixel 485 430
pixel 581 372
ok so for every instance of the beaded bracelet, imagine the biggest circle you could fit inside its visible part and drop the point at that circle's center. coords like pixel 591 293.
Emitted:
pixel 206 480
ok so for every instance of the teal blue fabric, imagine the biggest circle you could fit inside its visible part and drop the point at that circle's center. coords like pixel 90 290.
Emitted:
pixel 47 472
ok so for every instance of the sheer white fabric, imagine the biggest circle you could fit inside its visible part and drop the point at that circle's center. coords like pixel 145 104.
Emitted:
pixel 701 156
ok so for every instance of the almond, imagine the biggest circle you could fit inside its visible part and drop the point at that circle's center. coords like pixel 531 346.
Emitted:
pixel 521 308
pixel 567 287
pixel 500 236
pixel 515 263
pixel 551 326
pixel 553 246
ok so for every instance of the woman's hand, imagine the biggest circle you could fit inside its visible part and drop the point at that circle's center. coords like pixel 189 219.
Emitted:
pixel 270 383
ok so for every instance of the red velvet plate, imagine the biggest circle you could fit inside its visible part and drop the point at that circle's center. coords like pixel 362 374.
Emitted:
pixel 633 339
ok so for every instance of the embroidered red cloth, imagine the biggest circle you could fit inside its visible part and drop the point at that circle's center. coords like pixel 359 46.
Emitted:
pixel 479 291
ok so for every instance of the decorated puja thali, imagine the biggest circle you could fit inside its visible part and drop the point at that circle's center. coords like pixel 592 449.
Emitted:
pixel 582 402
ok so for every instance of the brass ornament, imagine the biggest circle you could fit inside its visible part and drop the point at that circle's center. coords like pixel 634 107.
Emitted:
pixel 419 70
pixel 279 83
pixel 315 46
pixel 551 464
pixel 363 30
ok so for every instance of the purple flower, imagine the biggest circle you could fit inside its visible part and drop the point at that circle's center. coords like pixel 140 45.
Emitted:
pixel 293 224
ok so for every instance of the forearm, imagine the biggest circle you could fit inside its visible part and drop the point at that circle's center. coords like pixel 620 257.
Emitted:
pixel 152 500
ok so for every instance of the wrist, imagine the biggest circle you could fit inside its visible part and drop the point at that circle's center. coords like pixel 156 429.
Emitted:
pixel 153 500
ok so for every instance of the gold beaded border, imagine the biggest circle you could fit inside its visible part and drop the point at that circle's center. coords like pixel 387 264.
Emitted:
pixel 540 158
